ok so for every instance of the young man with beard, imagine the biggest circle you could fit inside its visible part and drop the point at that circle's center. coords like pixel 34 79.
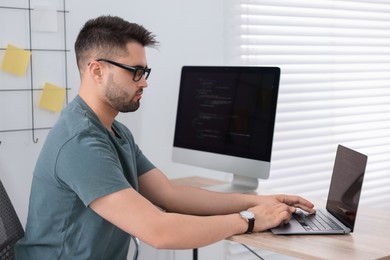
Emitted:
pixel 92 185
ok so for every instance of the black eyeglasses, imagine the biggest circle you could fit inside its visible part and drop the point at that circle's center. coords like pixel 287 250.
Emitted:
pixel 138 71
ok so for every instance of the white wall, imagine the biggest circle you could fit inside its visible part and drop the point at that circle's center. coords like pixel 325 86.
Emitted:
pixel 190 32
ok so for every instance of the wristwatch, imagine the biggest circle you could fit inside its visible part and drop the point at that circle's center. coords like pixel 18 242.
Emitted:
pixel 250 217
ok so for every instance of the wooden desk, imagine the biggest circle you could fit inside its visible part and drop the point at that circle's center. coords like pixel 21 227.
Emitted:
pixel 370 239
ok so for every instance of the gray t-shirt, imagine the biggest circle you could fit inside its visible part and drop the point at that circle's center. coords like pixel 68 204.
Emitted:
pixel 79 162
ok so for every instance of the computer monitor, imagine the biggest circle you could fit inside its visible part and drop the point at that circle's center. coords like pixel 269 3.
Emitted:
pixel 225 121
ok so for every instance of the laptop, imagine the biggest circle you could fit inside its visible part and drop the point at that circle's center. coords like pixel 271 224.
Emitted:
pixel 343 199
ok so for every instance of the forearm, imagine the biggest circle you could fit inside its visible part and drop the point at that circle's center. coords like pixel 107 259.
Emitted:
pixel 178 231
pixel 189 200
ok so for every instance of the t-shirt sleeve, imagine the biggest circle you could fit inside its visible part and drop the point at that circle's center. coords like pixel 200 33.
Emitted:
pixel 142 162
pixel 90 168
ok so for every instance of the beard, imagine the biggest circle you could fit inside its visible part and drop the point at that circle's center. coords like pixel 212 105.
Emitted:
pixel 120 99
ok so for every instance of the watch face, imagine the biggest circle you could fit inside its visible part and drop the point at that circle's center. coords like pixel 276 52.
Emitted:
pixel 247 214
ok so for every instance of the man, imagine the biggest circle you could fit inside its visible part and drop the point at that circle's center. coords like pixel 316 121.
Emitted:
pixel 93 186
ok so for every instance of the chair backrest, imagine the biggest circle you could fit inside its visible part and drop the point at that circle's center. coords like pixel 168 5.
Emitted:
pixel 136 248
pixel 11 229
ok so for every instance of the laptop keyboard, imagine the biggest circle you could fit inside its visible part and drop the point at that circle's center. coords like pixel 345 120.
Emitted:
pixel 315 222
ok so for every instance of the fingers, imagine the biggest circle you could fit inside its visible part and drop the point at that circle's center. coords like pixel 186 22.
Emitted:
pixel 310 210
pixel 285 212
pixel 278 209
pixel 297 202
pixel 271 215
pixel 285 207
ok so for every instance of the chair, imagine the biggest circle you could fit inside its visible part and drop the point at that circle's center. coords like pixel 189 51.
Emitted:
pixel 11 229
pixel 136 249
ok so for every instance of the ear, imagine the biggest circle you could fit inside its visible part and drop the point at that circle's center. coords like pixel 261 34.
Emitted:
pixel 96 70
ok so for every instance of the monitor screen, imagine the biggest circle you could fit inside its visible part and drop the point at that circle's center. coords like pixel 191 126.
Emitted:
pixel 226 115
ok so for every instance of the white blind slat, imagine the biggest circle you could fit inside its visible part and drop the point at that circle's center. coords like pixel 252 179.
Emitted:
pixel 335 85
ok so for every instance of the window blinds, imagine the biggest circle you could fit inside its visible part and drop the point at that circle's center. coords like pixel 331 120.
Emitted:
pixel 335 86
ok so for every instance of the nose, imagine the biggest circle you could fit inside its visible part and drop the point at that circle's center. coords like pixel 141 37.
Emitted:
pixel 143 83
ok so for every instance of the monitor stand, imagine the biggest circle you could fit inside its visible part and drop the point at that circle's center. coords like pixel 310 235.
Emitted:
pixel 240 184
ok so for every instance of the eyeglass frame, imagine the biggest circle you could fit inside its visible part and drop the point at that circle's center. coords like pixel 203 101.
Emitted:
pixel 145 71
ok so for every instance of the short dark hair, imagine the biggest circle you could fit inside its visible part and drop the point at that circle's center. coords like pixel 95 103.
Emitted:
pixel 107 37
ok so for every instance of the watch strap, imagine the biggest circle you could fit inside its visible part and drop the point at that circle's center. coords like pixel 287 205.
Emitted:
pixel 250 218
pixel 251 225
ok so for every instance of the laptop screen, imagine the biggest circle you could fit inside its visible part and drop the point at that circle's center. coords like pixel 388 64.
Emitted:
pixel 346 185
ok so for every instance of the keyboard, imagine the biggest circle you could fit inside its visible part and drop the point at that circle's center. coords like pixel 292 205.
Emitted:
pixel 317 221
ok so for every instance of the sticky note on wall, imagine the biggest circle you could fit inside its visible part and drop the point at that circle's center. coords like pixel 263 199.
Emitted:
pixel 52 98
pixel 16 60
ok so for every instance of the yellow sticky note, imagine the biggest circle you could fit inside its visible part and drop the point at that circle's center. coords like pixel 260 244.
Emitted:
pixel 16 60
pixel 52 98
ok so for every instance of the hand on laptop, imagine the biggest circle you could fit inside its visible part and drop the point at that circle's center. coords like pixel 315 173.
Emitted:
pixel 277 209
pixel 296 202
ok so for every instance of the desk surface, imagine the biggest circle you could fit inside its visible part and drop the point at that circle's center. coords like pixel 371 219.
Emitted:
pixel 370 239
